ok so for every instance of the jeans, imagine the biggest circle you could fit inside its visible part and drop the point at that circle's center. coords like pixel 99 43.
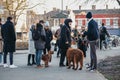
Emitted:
pixel 10 57
pixel 0 57
pixel 38 57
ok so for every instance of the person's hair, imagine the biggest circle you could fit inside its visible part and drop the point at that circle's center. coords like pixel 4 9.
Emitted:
pixel 103 24
pixel 0 19
pixel 41 21
pixel 61 25
pixel 9 18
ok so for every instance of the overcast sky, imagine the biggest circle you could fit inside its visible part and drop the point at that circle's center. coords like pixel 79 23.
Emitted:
pixel 72 4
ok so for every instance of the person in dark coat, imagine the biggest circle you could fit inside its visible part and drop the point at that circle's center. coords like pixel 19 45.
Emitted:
pixel 40 44
pixel 82 43
pixel 65 40
pixel 57 35
pixel 92 36
pixel 9 38
pixel 49 37
pixel 103 33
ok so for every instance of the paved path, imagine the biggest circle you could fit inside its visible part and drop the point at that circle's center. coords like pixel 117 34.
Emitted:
pixel 54 72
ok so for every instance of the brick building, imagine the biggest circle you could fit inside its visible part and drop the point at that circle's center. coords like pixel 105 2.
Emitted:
pixel 110 17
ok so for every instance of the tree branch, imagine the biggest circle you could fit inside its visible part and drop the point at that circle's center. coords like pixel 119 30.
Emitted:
pixel 118 2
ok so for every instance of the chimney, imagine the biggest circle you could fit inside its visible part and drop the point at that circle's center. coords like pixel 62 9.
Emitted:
pixel 79 7
pixel 106 6
pixel 54 9
pixel 93 7
pixel 66 7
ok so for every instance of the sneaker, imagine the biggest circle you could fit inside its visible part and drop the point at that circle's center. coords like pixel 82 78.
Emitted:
pixel 13 66
pixel 62 65
pixel 92 70
pixel 29 64
pixel 39 66
pixel 5 65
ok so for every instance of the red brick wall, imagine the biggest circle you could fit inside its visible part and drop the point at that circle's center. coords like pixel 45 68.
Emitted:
pixel 99 16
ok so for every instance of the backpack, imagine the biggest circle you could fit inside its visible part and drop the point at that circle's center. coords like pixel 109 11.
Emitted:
pixel 36 34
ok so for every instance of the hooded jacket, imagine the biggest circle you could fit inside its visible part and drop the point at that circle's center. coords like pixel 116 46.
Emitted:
pixel 65 35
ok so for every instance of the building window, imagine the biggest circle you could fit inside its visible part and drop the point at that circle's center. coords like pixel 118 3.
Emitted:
pixel 79 23
pixel 108 22
pixel 99 21
pixel 115 22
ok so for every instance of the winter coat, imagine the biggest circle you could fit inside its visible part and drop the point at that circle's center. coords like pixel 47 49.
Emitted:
pixel 49 37
pixel 40 44
pixel 9 37
pixel 31 44
pixel 1 42
pixel 92 32
pixel 65 36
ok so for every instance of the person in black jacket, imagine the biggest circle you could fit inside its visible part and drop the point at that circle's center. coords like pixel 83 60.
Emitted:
pixel 49 37
pixel 65 40
pixel 57 35
pixel 9 39
pixel 92 36
pixel 103 33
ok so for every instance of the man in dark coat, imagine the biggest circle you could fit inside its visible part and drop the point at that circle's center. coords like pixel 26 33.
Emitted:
pixel 9 39
pixel 65 40
pixel 103 33
pixel 49 38
pixel 92 35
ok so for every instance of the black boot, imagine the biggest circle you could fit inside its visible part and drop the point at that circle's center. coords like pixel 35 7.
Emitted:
pixel 29 57
pixel 33 59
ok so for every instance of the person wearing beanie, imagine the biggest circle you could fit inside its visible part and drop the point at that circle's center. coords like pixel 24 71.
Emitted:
pixel 65 40
pixel 92 36
pixel 49 37
pixel 9 38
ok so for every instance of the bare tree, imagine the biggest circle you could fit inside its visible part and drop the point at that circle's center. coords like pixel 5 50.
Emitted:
pixel 87 1
pixel 16 8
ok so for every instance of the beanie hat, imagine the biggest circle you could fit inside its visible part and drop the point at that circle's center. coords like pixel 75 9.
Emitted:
pixel 89 15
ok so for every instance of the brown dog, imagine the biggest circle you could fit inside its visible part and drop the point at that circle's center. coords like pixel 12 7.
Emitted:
pixel 75 56
pixel 47 58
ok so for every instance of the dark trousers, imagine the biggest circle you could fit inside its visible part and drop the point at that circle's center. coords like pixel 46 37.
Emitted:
pixel 47 47
pixel 29 58
pixel 58 52
pixel 93 63
pixel 10 57
pixel 101 44
pixel 62 57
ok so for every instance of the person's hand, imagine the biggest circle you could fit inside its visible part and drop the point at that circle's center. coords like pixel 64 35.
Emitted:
pixel 66 42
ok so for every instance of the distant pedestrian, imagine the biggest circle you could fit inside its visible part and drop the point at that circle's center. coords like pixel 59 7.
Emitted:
pixel 49 37
pixel 31 47
pixel 92 35
pixel 9 39
pixel 65 40
pixel 1 44
pixel 40 42
pixel 57 35
pixel 103 34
